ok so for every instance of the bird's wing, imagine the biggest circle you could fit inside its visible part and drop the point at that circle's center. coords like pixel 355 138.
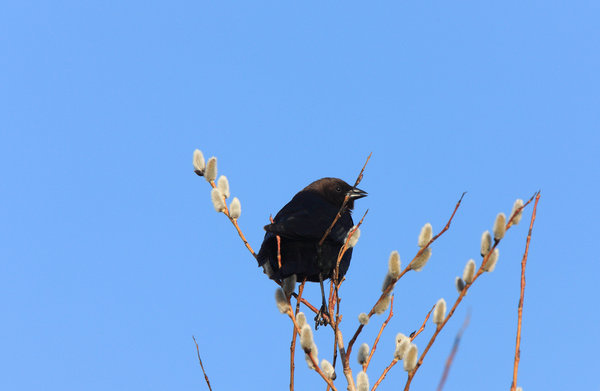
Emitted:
pixel 307 218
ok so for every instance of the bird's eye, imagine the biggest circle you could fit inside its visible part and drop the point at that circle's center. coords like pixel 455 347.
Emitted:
pixel 338 188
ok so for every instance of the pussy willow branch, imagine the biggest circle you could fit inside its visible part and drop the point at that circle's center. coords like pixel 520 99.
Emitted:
pixel 521 297
pixel 312 359
pixel 395 360
pixel 234 222
pixel 201 366
pixel 451 312
pixel 366 365
pixel 390 286
pixel 454 350
pixel 346 199
pixel 294 334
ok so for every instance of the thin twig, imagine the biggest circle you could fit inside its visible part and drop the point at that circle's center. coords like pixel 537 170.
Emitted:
pixel 346 199
pixel 523 265
pixel 453 352
pixel 278 245
pixel 294 334
pixel 201 366
pixel 366 365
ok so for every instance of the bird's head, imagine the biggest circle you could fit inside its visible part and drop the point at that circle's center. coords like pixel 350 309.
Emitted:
pixel 334 190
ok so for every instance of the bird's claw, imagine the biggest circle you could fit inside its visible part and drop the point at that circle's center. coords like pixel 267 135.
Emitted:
pixel 321 319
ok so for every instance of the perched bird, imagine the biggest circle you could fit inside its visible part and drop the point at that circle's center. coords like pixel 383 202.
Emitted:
pixel 300 226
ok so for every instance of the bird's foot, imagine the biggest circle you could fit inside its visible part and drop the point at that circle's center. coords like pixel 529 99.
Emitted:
pixel 322 317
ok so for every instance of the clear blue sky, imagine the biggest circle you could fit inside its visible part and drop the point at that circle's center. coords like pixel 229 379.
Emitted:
pixel 112 257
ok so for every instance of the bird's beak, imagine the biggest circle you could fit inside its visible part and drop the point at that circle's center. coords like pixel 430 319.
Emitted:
pixel 356 193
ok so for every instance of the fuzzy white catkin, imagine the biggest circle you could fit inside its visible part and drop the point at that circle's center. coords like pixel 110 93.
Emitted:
pixel 402 344
pixel 387 281
pixel 499 226
pixel 382 305
pixel 469 271
pixel 327 369
pixel 425 235
pixel 518 204
pixel 460 284
pixel 199 164
pixel 314 352
pixel 492 260
pixel 363 318
pixel 486 243
pixel 352 240
pixel 363 353
pixel 410 357
pixel 223 185
pixel 439 313
pixel 418 264
pixel 289 285
pixel 519 388
pixel 217 200
pixel 281 300
pixel 362 381
pixel 306 338
pixel 211 169
pixel 301 319
pixel 235 208
pixel 394 264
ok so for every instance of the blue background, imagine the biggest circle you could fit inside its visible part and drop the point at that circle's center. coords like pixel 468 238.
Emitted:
pixel 112 257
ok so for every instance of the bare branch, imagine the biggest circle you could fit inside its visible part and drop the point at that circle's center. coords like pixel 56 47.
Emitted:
pixel 201 366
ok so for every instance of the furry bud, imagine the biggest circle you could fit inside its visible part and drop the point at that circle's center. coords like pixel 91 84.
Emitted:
pixel 363 353
pixel 418 264
pixel 382 305
pixel 211 169
pixel 199 164
pixel 499 226
pixel 327 369
pixel 460 284
pixel 439 313
pixel 394 264
pixel 363 318
pixel 517 218
pixel 217 200
pixel 306 338
pixel 410 357
pixel 301 319
pixel 425 235
pixel 402 345
pixel 469 271
pixel 387 281
pixel 486 243
pixel 362 381
pixel 491 262
pixel 235 208
pixel 352 240
pixel 223 185
pixel 281 300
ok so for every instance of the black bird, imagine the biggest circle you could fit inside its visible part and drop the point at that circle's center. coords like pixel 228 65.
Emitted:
pixel 301 224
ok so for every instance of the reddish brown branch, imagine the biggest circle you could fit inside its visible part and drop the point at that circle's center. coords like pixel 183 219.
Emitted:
pixel 201 366
pixel 521 297
pixel 453 352
pixel 278 245
pixel 294 335
pixel 366 365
